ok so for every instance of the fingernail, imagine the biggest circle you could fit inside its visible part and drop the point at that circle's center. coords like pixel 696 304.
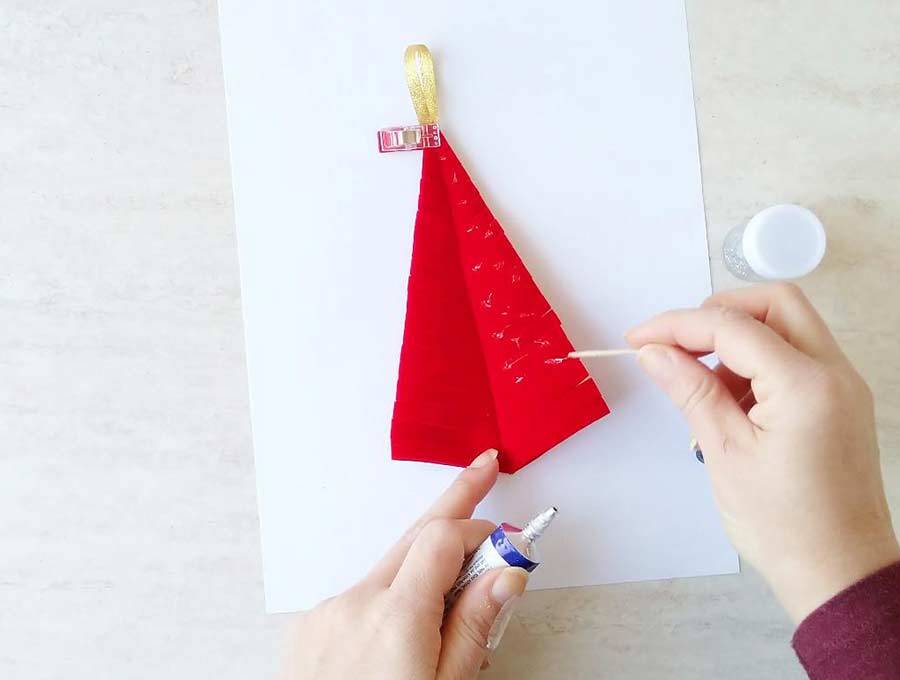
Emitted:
pixel 655 359
pixel 506 590
pixel 696 450
pixel 511 583
pixel 484 458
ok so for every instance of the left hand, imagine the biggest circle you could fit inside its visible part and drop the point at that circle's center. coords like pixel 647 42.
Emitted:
pixel 391 624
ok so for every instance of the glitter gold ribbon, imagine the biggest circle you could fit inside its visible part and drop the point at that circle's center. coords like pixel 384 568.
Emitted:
pixel 422 87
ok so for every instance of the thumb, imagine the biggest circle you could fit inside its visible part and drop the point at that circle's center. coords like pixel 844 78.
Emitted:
pixel 709 407
pixel 465 636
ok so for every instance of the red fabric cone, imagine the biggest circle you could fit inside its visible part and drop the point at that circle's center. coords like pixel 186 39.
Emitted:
pixel 476 369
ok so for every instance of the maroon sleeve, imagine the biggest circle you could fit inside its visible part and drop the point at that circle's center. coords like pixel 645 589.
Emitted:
pixel 856 634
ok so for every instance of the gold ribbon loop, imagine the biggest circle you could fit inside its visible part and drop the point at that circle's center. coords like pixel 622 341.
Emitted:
pixel 420 79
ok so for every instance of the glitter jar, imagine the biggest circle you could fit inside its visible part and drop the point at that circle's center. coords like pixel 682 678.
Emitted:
pixel 781 242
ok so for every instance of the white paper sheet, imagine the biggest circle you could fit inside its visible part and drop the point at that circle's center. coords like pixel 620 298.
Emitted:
pixel 576 121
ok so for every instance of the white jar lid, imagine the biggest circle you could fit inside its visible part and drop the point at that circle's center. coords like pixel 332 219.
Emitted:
pixel 784 242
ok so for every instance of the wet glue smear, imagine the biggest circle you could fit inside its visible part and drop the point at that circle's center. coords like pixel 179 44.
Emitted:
pixel 507 546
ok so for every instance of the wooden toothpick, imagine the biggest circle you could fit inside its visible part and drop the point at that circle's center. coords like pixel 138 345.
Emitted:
pixel 599 353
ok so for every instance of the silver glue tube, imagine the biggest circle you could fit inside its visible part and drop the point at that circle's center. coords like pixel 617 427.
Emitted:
pixel 507 546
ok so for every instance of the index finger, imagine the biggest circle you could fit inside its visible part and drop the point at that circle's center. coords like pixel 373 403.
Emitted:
pixel 457 502
pixel 435 558
pixel 746 346
pixel 784 308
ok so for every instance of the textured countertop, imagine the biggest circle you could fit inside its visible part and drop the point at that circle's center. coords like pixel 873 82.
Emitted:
pixel 128 529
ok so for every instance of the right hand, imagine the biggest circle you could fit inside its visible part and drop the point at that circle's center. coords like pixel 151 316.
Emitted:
pixel 787 430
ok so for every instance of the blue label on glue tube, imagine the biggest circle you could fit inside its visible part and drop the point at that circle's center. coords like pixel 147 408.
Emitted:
pixel 507 551
pixel 497 550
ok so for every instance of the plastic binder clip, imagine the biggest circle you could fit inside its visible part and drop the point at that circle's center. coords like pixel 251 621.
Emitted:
pixel 409 138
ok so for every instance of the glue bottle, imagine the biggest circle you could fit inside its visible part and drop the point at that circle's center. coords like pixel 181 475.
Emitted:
pixel 507 546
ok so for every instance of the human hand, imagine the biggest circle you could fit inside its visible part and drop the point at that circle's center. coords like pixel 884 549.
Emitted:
pixel 787 430
pixel 391 624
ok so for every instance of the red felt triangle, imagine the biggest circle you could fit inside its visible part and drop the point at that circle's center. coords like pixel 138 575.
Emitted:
pixel 476 367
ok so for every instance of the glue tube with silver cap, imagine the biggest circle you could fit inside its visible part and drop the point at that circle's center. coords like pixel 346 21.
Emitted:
pixel 507 546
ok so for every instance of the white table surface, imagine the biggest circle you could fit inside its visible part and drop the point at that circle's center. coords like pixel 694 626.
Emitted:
pixel 128 529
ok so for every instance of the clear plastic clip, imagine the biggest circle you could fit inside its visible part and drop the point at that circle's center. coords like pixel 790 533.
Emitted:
pixel 409 138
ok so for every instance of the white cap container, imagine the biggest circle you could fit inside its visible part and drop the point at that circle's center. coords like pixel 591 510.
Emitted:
pixel 780 242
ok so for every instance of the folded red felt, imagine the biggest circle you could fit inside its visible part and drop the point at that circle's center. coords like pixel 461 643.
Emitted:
pixel 477 366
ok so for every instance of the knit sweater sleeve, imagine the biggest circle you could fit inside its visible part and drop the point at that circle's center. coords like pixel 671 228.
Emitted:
pixel 856 634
